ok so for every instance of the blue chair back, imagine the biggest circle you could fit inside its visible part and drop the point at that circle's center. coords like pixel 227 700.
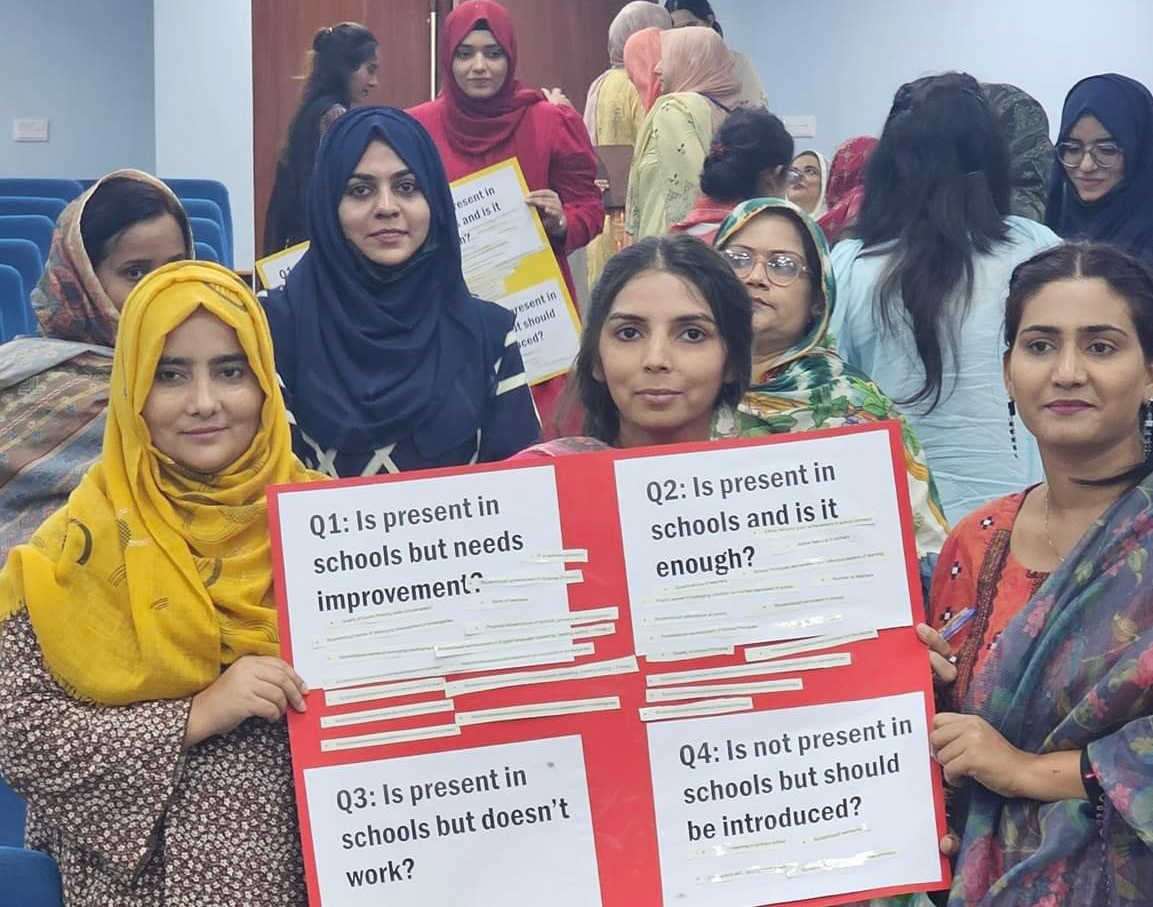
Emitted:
pixel 208 232
pixel 24 257
pixel 12 812
pixel 12 302
pixel 35 227
pixel 41 188
pixel 205 252
pixel 29 878
pixel 51 208
pixel 214 191
pixel 208 210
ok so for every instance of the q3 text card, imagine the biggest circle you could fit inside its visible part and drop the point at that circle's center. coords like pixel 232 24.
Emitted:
pixel 507 259
pixel 518 697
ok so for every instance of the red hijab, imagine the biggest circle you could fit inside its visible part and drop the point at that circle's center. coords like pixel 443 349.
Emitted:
pixel 846 186
pixel 474 127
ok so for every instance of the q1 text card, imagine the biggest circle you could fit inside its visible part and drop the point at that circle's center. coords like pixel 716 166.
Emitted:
pixel 674 676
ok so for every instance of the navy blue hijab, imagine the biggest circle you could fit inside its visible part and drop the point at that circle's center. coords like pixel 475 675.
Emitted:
pixel 372 353
pixel 1124 217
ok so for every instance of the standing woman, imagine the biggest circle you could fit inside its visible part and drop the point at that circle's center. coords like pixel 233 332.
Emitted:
pixel 343 72
pixel 922 286
pixel 698 90
pixel 810 184
pixel 1102 186
pixel 1031 155
pixel 484 116
pixel 700 12
pixel 141 689
pixel 614 113
pixel 54 386
pixel 389 363
pixel 749 158
pixel 846 186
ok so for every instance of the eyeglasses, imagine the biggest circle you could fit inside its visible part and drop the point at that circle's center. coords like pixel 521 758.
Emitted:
pixel 794 177
pixel 781 268
pixel 1105 154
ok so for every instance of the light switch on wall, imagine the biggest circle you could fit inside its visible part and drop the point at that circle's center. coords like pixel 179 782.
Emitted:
pixel 33 129
pixel 803 127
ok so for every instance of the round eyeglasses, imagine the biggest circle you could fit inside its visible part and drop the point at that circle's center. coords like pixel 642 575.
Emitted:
pixel 781 268
pixel 1105 154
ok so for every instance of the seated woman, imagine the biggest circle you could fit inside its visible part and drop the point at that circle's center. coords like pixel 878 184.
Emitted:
pixel 389 363
pixel 665 348
pixel 799 383
pixel 1047 594
pixel 698 89
pixel 54 387
pixel 1102 187
pixel 140 685
pixel 749 158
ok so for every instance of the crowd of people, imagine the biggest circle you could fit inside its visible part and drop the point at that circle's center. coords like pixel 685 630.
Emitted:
pixel 959 273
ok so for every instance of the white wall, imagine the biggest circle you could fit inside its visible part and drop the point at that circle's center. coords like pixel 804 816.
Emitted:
pixel 87 67
pixel 203 107
pixel 842 60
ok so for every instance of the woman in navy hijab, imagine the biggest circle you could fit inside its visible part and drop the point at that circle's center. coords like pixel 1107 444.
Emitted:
pixel 388 362
pixel 1102 188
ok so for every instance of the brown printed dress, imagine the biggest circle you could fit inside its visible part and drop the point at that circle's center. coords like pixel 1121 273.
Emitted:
pixel 133 821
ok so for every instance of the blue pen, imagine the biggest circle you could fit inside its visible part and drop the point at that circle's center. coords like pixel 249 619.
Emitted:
pixel 954 626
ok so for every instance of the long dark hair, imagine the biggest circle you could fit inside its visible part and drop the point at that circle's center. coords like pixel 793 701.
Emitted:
pixel 691 260
pixel 116 205
pixel 702 9
pixel 1127 276
pixel 749 141
pixel 937 192
pixel 337 52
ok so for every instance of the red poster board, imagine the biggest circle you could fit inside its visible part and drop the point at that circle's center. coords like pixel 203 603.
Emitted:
pixel 615 743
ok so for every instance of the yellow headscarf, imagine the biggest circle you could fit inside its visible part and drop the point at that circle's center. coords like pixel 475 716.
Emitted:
pixel 153 577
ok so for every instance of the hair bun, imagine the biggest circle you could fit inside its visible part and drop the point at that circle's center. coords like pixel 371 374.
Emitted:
pixel 321 38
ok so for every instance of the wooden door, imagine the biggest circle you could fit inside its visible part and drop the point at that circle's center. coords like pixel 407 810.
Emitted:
pixel 282 32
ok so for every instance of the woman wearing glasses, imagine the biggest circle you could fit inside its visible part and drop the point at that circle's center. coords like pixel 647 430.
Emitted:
pixel 1103 184
pixel 799 383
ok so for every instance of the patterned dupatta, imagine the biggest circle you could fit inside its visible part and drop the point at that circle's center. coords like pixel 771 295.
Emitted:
pixel 1073 671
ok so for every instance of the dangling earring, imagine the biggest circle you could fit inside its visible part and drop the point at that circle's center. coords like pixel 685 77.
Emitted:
pixel 1147 428
pixel 1013 426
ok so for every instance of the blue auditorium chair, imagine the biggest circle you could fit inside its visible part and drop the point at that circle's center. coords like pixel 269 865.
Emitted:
pixel 26 204
pixel 205 252
pixel 11 817
pixel 209 210
pixel 214 191
pixel 208 232
pixel 24 257
pixel 12 298
pixel 35 227
pixel 29 878
pixel 41 188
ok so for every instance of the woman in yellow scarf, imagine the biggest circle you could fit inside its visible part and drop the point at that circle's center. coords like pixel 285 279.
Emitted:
pixel 139 636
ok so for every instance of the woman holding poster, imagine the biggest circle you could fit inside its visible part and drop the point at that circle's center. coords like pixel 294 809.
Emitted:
pixel 1045 597
pixel 484 116
pixel 665 347
pixel 799 383
pixel 389 363
pixel 141 689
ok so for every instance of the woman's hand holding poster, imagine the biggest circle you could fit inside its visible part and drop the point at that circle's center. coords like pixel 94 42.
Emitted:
pixel 683 676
